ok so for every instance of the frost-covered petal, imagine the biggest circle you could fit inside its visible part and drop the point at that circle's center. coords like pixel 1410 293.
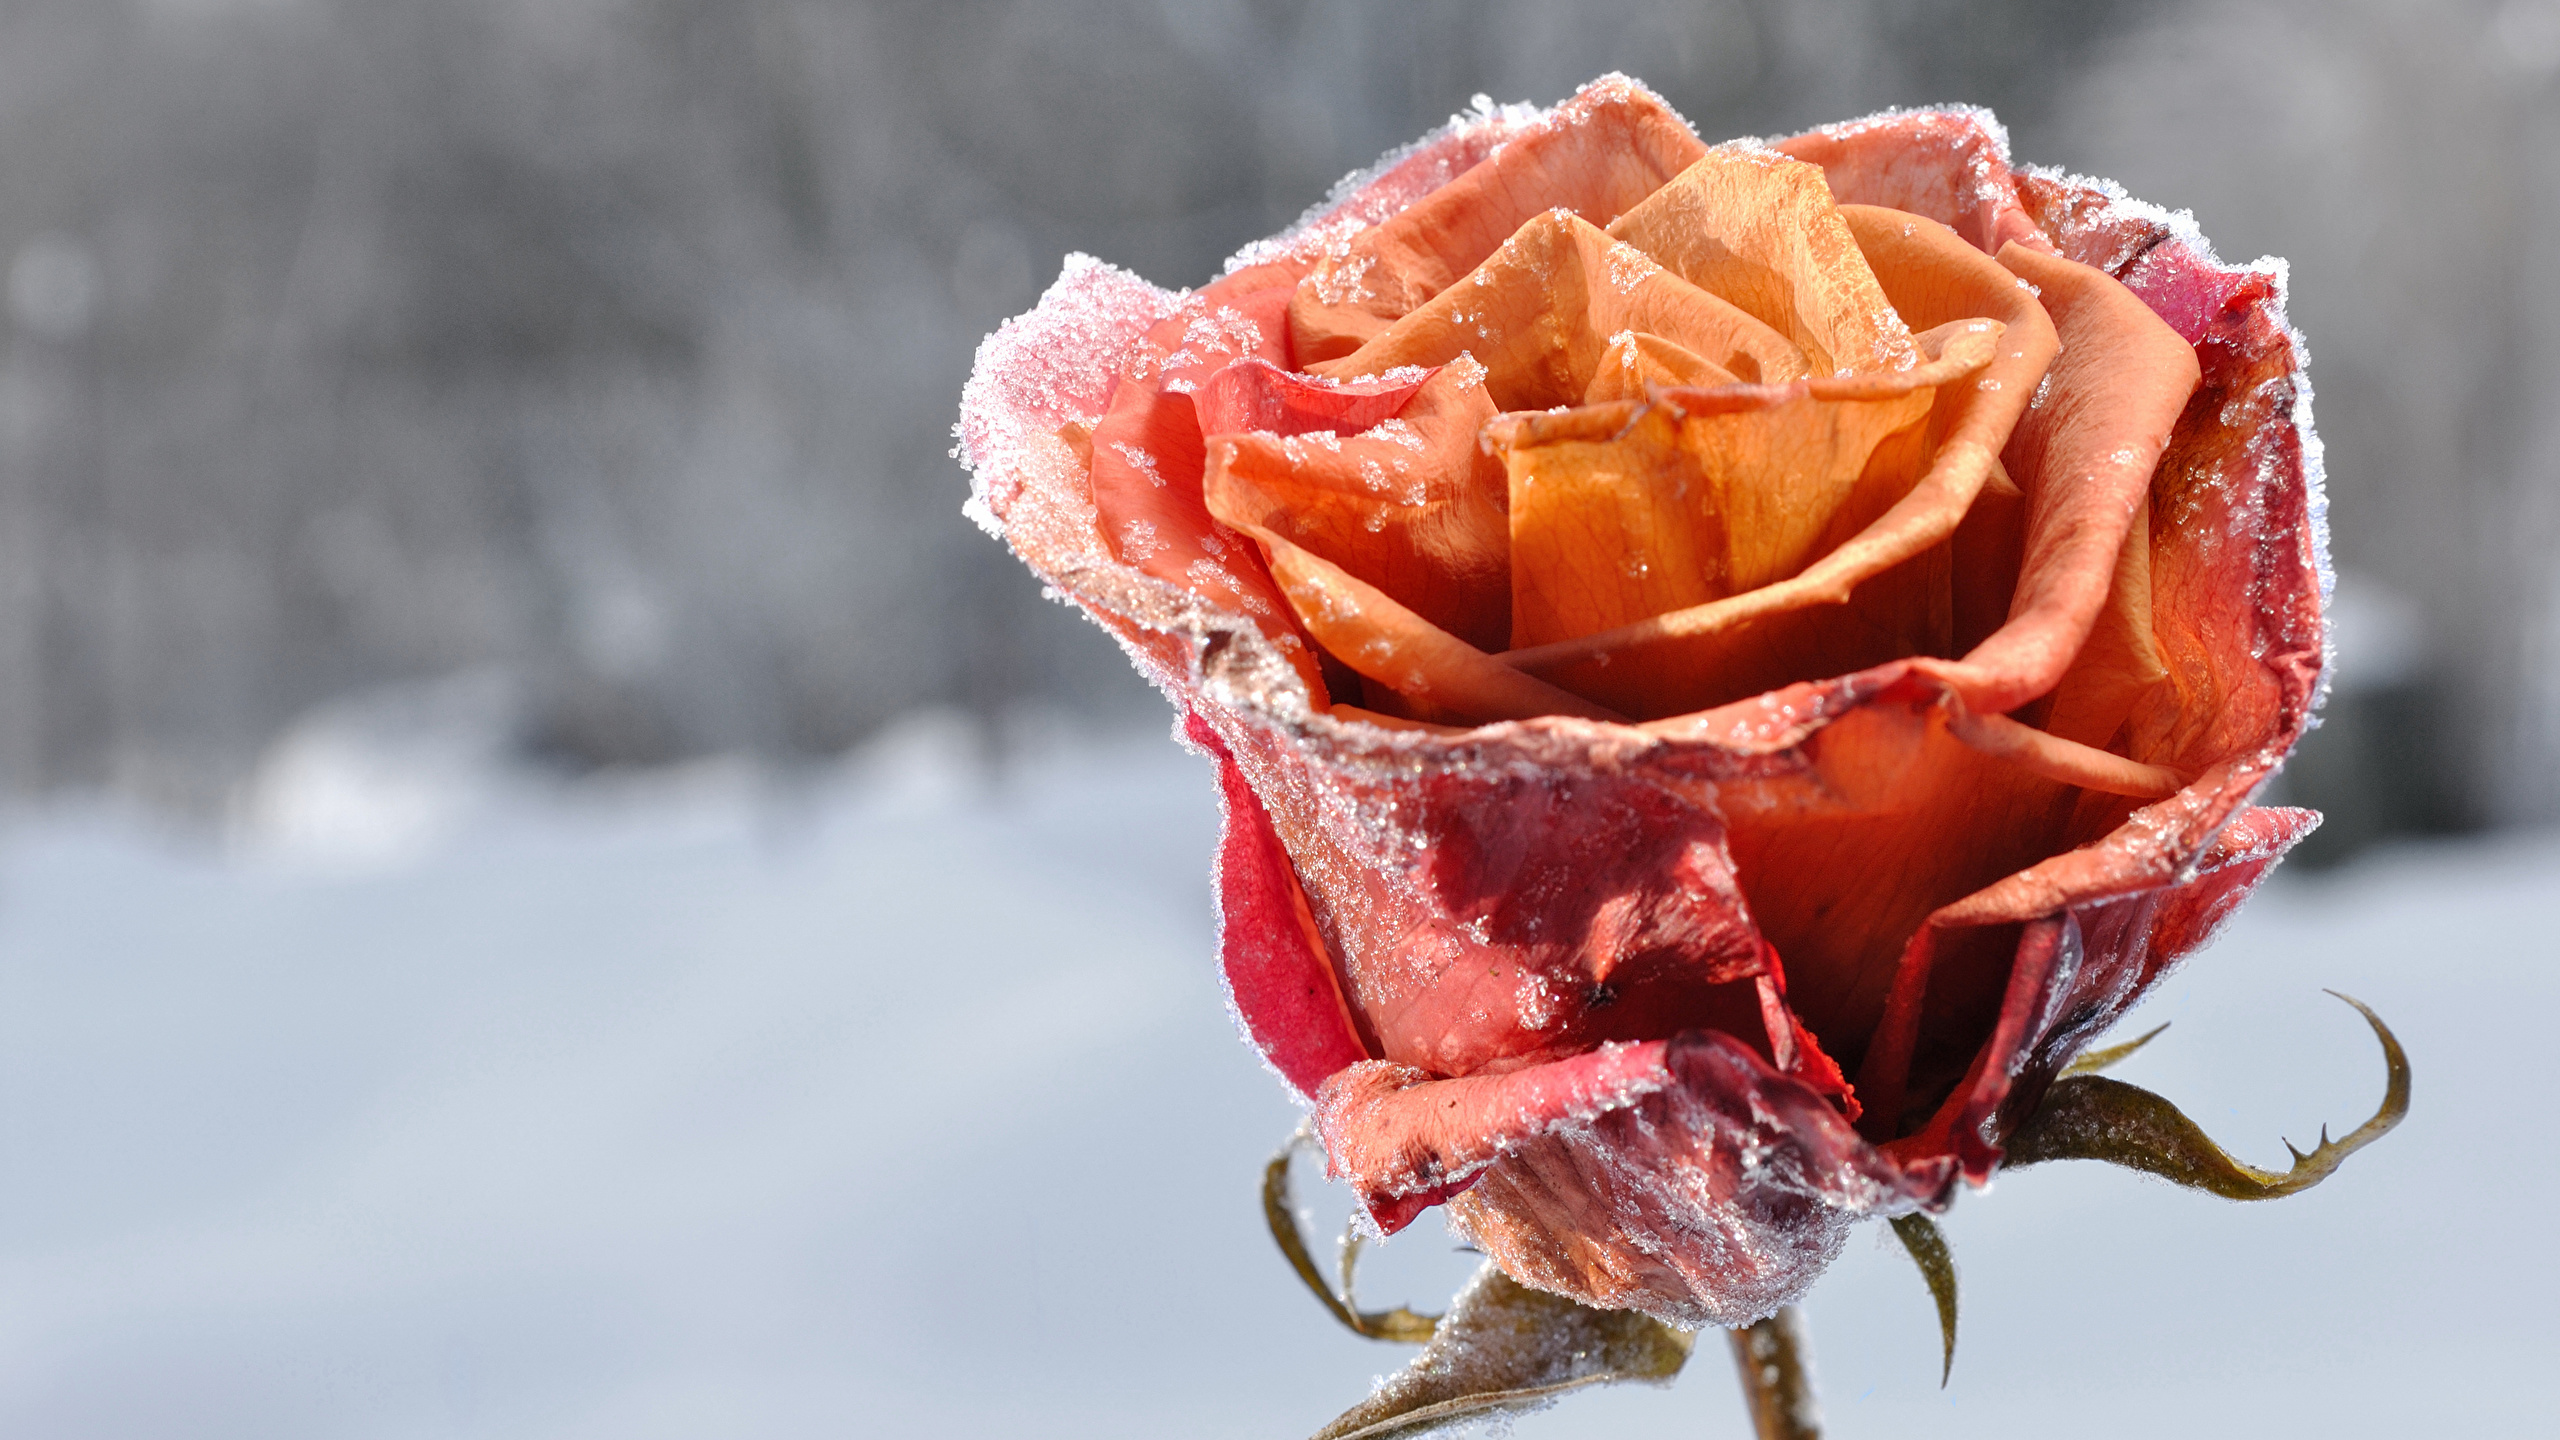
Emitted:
pixel 1405 1140
pixel 1793 620
pixel 1714 1197
pixel 1537 315
pixel 1949 165
pixel 1761 231
pixel 1147 452
pixel 1407 502
pixel 1278 977
pixel 2078 968
pixel 1596 155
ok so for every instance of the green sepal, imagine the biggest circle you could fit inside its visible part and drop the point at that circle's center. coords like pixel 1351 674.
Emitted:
pixel 1281 1212
pixel 2112 1055
pixel 1928 1246
pixel 1506 1347
pixel 2089 1117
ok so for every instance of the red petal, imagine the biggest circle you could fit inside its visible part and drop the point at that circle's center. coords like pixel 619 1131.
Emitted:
pixel 1278 976
pixel 2077 971
pixel 1799 1055
pixel 1147 452
pixel 1412 508
pixel 1255 394
pixel 1597 155
pixel 1405 1141
pixel 2086 458
pixel 1950 165
pixel 1711 1199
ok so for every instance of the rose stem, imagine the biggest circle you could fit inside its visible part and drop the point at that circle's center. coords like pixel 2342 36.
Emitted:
pixel 1776 1383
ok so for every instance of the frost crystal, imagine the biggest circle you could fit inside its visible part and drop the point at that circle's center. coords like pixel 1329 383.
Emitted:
pixel 1205 575
pixel 1139 541
pixel 1398 433
pixel 1629 267
pixel 1045 369
pixel 1144 463
pixel 1225 331
pixel 1337 279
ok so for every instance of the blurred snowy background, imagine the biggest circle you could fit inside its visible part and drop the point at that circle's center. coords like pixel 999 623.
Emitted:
pixel 552 887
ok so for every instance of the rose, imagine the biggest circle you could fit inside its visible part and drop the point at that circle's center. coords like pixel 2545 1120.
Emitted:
pixel 1908 567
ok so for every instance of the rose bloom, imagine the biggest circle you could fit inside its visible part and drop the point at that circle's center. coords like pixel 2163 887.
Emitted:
pixel 1727 667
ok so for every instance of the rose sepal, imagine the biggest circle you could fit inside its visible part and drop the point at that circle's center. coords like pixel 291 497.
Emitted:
pixel 2090 1117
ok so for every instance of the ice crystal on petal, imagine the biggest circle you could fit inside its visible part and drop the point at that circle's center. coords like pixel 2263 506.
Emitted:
pixel 1139 541
pixel 1047 368
pixel 1336 280
pixel 1629 267
pixel 1224 331
pixel 1142 461
pixel 1398 433
pixel 1205 575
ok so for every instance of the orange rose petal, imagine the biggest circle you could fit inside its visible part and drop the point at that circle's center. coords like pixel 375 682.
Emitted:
pixel 2117 389
pixel 1147 453
pixel 1950 165
pixel 1794 472
pixel 2120 662
pixel 1636 362
pixel 1895 784
pixel 1988 547
pixel 1623 512
pixel 2066 761
pixel 1933 278
pixel 1597 154
pixel 1759 230
pixel 1366 629
pixel 2243 663
pixel 1254 394
pixel 1609 517
pixel 1543 309
pixel 1412 506
pixel 1393 722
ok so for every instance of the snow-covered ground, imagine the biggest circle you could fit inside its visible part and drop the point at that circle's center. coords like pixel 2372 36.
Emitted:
pixel 901 1101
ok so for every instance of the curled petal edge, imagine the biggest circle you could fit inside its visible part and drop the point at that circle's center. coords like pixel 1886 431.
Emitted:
pixel 1279 982
pixel 1617 1177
